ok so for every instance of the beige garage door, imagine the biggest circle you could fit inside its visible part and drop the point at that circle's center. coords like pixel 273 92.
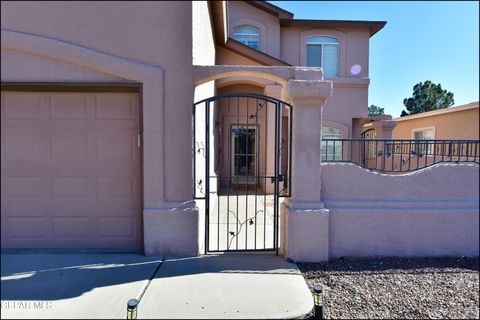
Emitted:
pixel 70 170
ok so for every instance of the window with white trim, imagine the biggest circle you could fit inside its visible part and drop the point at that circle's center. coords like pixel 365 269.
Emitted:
pixel 248 35
pixel 331 150
pixel 423 134
pixel 322 51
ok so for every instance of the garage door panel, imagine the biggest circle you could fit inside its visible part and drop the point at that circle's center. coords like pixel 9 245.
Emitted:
pixel 117 148
pixel 23 106
pixel 22 209
pixel 28 187
pixel 69 148
pixel 26 148
pixel 33 228
pixel 70 170
pixel 116 188
pixel 70 187
pixel 118 227
pixel 114 107
pixel 73 227
pixel 69 107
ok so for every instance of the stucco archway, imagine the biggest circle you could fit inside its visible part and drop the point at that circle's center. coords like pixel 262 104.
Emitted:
pixel 151 78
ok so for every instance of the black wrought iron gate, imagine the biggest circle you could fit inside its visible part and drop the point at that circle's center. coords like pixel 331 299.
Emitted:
pixel 241 168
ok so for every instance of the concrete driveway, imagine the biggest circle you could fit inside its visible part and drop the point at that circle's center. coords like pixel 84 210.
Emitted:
pixel 99 286
pixel 72 285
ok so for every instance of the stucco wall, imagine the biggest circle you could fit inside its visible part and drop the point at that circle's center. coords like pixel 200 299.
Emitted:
pixel 241 13
pixel 431 212
pixel 144 42
pixel 353 47
pixel 350 94
pixel 462 124
pixel 153 39
pixel 228 57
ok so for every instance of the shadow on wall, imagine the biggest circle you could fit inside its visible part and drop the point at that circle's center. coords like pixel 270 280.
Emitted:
pixel 62 276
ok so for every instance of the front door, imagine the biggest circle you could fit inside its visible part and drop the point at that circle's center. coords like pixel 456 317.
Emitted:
pixel 244 154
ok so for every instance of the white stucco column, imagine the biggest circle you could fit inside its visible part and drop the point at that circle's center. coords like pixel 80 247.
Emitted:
pixel 303 216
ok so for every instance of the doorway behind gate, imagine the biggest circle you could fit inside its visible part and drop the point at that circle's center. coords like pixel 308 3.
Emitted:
pixel 242 143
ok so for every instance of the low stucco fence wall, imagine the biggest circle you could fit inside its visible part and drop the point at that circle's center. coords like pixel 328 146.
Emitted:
pixel 430 212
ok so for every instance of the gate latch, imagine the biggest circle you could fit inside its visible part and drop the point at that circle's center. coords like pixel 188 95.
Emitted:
pixel 278 178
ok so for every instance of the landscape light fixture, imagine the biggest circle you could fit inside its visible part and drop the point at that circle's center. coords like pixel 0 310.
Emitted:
pixel 318 300
pixel 132 305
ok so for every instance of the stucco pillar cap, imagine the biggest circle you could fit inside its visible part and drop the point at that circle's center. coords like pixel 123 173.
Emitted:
pixel 308 73
pixel 311 92
pixel 384 124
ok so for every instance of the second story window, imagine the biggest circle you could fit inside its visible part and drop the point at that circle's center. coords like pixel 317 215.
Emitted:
pixel 247 35
pixel 322 51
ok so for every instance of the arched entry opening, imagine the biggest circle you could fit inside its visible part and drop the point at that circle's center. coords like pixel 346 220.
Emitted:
pixel 241 168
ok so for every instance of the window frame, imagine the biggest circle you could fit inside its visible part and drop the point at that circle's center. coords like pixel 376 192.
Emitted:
pixel 337 147
pixel 427 148
pixel 247 34
pixel 415 130
pixel 321 44
pixel 248 179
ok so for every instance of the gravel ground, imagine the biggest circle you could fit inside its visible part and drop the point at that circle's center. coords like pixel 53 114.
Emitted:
pixel 397 288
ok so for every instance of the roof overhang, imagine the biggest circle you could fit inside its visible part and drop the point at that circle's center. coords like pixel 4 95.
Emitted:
pixel 271 9
pixel 472 105
pixel 373 26
pixel 253 54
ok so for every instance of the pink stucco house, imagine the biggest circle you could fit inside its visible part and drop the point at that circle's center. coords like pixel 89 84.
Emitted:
pixel 102 149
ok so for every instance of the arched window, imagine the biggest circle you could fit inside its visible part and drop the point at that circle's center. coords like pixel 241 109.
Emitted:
pixel 248 35
pixel 322 51
pixel 330 149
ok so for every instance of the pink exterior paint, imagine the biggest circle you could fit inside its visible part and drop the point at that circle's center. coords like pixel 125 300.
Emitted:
pixel 432 212
pixel 241 13
pixel 350 97
pixel 92 38
pixel 335 210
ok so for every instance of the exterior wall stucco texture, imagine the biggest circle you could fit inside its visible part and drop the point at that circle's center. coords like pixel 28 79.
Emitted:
pixel 350 97
pixel 462 124
pixel 241 13
pixel 101 26
pixel 155 50
pixel 432 212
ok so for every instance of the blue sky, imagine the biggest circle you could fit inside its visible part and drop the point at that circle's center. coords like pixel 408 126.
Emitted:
pixel 437 41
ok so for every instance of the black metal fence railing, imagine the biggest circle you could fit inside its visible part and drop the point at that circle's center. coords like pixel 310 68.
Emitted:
pixel 399 155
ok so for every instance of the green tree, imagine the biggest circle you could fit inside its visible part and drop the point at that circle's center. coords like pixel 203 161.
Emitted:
pixel 427 96
pixel 374 110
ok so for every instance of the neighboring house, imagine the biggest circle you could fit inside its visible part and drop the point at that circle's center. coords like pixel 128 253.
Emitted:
pixel 454 123
pixel 96 133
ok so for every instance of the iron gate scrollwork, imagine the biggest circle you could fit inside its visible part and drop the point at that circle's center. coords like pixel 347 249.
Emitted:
pixel 242 146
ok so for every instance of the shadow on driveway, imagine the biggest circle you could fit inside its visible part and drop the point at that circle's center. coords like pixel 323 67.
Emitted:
pixel 61 276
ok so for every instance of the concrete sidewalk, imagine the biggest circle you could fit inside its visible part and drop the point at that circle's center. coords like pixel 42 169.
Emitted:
pixel 227 286
pixel 99 285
